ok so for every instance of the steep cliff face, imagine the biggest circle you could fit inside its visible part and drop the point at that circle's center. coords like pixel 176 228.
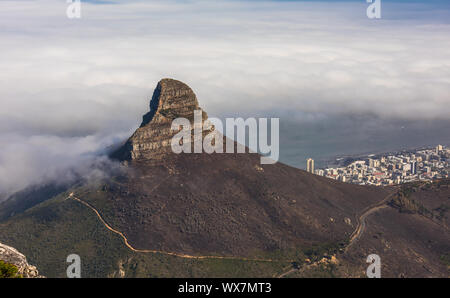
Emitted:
pixel 12 256
pixel 222 205
pixel 152 140
pixel 227 204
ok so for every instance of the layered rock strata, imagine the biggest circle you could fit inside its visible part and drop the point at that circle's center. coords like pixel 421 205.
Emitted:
pixel 171 99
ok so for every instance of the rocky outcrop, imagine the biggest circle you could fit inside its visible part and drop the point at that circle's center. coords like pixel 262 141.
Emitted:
pixel 12 256
pixel 152 140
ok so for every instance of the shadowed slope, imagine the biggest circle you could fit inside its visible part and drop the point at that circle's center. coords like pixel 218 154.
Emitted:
pixel 200 205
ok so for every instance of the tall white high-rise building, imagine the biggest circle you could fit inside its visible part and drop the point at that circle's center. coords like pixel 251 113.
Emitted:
pixel 310 165
pixel 413 167
pixel 439 148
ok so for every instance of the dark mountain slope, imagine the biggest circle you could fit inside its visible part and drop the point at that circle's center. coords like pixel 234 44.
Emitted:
pixel 195 204
pixel 412 241
pixel 28 198
pixel 228 205
pixel 219 203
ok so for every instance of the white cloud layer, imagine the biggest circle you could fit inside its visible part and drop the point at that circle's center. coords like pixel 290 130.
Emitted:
pixel 76 83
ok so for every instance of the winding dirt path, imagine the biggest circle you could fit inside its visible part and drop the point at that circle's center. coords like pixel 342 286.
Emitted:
pixel 353 237
pixel 287 273
pixel 125 240
pixel 360 228
pixel 357 233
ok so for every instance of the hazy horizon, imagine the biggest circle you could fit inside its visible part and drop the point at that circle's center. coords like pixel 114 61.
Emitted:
pixel 339 82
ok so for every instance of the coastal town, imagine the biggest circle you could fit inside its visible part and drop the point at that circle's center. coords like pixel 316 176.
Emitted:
pixel 388 169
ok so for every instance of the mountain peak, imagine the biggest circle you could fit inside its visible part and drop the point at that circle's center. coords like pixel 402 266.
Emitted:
pixel 152 140
pixel 171 99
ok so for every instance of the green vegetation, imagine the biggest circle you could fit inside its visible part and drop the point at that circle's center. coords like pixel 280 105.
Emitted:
pixel 406 191
pixel 161 266
pixel 58 228
pixel 103 253
pixel 404 202
pixel 65 227
pixel 319 251
pixel 321 271
pixel 8 270
pixel 445 259
pixel 407 205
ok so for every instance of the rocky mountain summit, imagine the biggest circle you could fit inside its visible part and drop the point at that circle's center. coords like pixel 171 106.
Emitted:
pixel 152 140
pixel 12 256
pixel 222 215
pixel 226 204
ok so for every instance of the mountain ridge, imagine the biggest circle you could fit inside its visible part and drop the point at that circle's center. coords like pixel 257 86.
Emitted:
pixel 208 204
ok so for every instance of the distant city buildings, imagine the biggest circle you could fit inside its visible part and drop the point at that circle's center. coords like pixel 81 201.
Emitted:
pixel 310 165
pixel 413 166
pixel 388 169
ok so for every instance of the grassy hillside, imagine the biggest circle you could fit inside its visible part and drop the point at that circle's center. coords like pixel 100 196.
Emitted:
pixel 49 232
pixel 410 243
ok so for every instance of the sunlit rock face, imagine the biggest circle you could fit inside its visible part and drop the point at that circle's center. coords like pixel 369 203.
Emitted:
pixel 152 140
pixel 12 256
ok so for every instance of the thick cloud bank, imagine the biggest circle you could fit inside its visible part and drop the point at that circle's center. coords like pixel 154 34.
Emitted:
pixel 72 86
